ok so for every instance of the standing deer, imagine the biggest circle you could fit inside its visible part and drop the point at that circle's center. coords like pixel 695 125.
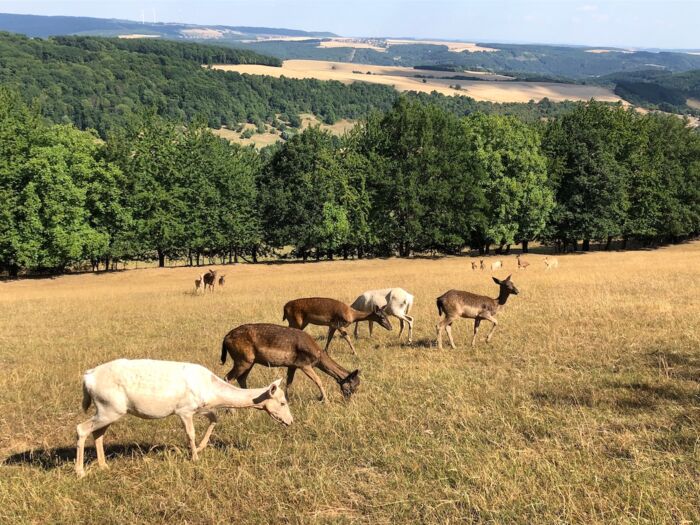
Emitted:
pixel 455 304
pixel 199 284
pixel 393 301
pixel 273 345
pixel 222 280
pixel 474 265
pixel 495 265
pixel 156 389
pixel 209 280
pixel 334 314
pixel 482 266
pixel 551 263
pixel 522 263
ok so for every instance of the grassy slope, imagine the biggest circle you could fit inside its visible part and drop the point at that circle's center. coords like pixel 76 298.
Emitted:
pixel 584 408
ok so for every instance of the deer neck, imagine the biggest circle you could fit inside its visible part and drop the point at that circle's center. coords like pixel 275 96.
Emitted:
pixel 229 396
pixel 358 315
pixel 502 297
pixel 330 367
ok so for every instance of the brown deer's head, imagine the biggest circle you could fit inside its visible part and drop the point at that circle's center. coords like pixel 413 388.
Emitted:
pixel 378 316
pixel 350 384
pixel 507 286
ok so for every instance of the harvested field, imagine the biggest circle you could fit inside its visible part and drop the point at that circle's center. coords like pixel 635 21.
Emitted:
pixel 585 408
pixel 495 88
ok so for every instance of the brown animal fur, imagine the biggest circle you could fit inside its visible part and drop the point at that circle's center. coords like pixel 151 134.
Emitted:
pixel 334 314
pixel 522 263
pixel 222 280
pixel 210 280
pixel 455 304
pixel 273 345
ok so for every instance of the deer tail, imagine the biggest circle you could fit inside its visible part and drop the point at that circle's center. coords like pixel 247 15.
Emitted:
pixel 441 310
pixel 223 352
pixel 87 398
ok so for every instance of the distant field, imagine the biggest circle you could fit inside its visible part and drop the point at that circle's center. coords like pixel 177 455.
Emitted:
pixel 260 140
pixel 495 89
pixel 584 409
pixel 457 47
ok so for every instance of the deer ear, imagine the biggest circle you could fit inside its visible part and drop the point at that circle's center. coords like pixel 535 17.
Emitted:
pixel 508 278
pixel 496 280
pixel 273 387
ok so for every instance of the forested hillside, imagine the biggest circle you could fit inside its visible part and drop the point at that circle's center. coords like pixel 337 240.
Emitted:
pixel 414 179
pixel 99 83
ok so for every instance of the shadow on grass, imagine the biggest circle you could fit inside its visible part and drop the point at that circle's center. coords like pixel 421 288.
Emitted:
pixel 48 459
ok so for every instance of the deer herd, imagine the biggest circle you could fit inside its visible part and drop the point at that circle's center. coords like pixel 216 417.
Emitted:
pixel 152 389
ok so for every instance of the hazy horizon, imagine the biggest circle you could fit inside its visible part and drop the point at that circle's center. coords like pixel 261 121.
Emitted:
pixel 612 23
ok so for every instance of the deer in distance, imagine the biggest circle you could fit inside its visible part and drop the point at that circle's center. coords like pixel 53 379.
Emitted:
pixel 482 266
pixel 336 315
pixel 209 280
pixel 199 284
pixel 152 389
pixel 550 264
pixel 392 301
pixel 222 280
pixel 522 263
pixel 474 265
pixel 457 304
pixel 495 265
pixel 274 345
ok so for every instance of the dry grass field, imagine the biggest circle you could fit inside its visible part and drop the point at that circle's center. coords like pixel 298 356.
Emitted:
pixel 494 88
pixel 584 409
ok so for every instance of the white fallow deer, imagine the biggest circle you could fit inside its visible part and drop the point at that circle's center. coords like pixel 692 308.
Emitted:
pixel 199 283
pixel 393 301
pixel 495 265
pixel 457 304
pixel 156 389
pixel 550 264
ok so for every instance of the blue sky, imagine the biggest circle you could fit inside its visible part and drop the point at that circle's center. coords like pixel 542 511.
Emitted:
pixel 638 23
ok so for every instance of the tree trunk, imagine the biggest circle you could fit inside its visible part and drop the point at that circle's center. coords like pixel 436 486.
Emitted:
pixel 254 254
pixel 586 245
pixel 235 255
pixel 624 242
pixel 330 255
pixel 106 263
pixel 161 258
pixel 189 256
pixel 525 247
pixel 507 249
pixel 608 243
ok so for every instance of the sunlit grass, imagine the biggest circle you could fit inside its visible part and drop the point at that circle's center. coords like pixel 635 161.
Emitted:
pixel 585 407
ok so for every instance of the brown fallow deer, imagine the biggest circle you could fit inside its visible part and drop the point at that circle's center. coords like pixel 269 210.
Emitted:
pixel 474 265
pixel 482 266
pixel 334 314
pixel 522 263
pixel 210 280
pixel 455 304
pixel 273 345
pixel 222 280
pixel 199 284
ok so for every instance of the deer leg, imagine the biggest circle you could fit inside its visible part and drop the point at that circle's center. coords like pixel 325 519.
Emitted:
pixel 95 423
pixel 477 322
pixel 239 367
pixel 371 326
pixel 189 429
pixel 345 336
pixel 311 374
pixel 356 328
pixel 493 328
pixel 290 378
pixel 331 331
pixel 401 328
pixel 403 318
pixel 99 435
pixel 448 329
pixel 213 420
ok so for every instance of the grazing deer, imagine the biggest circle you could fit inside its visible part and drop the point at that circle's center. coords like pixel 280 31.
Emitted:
pixel 222 280
pixel 455 304
pixel 495 265
pixel 482 266
pixel 551 263
pixel 331 313
pixel 156 389
pixel 522 263
pixel 273 345
pixel 474 265
pixel 199 284
pixel 393 301
pixel 209 280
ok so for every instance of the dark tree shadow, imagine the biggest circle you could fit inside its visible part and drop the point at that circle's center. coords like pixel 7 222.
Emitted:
pixel 48 459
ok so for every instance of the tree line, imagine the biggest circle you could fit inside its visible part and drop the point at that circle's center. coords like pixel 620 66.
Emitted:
pixel 414 179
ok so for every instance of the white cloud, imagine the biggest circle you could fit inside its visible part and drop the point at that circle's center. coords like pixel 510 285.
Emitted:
pixel 587 8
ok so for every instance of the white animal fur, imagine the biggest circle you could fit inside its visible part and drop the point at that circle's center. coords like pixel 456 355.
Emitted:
pixel 551 263
pixel 496 264
pixel 152 389
pixel 398 303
